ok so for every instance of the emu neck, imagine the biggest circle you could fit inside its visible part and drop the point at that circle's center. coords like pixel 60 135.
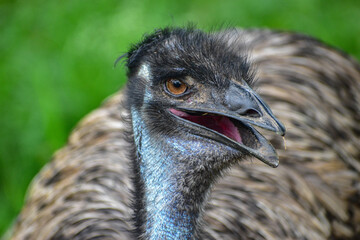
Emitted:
pixel 168 194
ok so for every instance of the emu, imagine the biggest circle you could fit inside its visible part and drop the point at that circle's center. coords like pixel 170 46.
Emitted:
pixel 173 155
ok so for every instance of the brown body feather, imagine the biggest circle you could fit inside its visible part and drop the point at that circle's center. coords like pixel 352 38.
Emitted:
pixel 84 192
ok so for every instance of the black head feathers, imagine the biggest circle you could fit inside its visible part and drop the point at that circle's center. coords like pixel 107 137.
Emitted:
pixel 189 51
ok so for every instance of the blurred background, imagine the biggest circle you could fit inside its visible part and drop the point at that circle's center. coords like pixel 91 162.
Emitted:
pixel 56 62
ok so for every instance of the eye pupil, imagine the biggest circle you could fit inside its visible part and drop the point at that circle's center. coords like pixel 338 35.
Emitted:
pixel 175 86
pixel 177 83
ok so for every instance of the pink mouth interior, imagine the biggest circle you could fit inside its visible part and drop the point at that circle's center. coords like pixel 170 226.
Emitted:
pixel 220 124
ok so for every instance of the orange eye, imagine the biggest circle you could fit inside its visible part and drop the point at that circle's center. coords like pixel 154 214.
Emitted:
pixel 176 86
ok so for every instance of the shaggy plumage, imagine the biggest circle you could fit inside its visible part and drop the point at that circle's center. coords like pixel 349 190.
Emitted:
pixel 85 192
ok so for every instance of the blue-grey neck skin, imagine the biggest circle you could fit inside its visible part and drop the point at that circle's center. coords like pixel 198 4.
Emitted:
pixel 175 180
pixel 164 217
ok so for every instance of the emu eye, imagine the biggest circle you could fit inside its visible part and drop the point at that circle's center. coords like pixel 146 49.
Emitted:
pixel 176 86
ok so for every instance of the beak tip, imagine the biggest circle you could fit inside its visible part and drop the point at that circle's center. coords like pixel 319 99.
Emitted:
pixel 275 164
pixel 273 161
pixel 281 129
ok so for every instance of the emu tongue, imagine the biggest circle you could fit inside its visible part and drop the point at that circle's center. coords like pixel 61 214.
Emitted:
pixel 218 123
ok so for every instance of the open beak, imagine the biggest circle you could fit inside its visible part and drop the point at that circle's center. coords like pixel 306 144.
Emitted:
pixel 232 121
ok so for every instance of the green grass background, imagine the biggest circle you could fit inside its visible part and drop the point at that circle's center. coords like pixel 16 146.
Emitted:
pixel 56 62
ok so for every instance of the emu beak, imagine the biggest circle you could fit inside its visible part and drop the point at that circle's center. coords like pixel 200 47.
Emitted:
pixel 246 106
pixel 231 120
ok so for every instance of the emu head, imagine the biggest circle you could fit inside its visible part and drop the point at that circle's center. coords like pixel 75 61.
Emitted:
pixel 197 87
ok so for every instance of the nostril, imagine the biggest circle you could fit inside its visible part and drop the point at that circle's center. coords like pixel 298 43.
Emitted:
pixel 242 102
pixel 251 113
